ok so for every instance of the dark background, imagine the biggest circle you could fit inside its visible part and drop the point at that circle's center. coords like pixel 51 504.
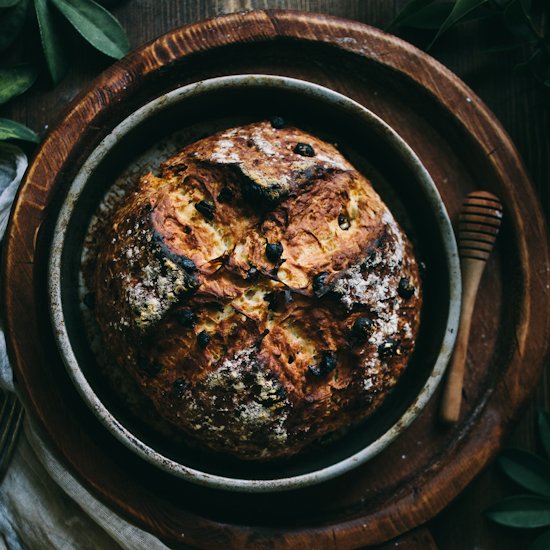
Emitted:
pixel 520 103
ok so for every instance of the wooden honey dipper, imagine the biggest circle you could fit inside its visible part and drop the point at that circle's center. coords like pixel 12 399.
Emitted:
pixel 478 226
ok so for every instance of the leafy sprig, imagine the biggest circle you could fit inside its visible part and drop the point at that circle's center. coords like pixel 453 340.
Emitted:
pixel 90 20
pixel 9 129
pixel 516 18
pixel 15 81
pixel 531 472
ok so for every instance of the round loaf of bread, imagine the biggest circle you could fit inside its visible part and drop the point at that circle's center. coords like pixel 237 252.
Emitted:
pixel 258 290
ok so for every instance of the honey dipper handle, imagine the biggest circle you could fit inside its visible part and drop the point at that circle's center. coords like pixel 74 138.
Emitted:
pixel 472 269
pixel 479 224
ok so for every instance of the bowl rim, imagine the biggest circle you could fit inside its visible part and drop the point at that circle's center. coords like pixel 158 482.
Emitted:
pixel 63 342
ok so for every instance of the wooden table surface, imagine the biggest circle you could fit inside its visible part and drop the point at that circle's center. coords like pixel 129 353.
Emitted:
pixel 521 105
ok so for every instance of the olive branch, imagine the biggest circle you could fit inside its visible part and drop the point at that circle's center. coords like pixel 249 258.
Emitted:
pixel 531 472
pixel 48 18
pixel 523 25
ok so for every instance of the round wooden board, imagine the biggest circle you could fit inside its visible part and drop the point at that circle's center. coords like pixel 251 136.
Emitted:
pixel 463 147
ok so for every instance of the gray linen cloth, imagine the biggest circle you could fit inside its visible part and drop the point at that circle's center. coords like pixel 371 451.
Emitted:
pixel 42 505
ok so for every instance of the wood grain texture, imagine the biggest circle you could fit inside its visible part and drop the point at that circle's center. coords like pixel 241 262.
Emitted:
pixel 457 139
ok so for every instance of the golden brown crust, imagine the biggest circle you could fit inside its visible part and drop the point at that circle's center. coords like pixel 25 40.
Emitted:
pixel 259 291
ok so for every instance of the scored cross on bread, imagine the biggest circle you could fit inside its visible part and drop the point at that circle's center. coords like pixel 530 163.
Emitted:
pixel 259 291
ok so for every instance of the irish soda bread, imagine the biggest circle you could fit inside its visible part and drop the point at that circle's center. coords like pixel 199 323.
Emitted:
pixel 259 291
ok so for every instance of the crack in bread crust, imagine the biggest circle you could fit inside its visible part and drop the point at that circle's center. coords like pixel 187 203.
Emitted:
pixel 262 296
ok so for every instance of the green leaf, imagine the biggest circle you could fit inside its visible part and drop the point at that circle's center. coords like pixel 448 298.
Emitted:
pixel 515 18
pixel 527 470
pixel 541 543
pixel 501 4
pixel 531 63
pixel 54 52
pixel 483 11
pixel 9 129
pixel 431 17
pixel 12 22
pixel 459 11
pixel 525 511
pixel 96 25
pixel 544 425
pixel 409 9
pixel 15 81
pixel 8 3
pixel 526 5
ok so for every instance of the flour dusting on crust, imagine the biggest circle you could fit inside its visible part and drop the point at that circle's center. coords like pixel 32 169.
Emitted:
pixel 258 291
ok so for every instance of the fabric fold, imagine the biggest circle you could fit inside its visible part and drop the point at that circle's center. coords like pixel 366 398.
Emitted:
pixel 42 505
